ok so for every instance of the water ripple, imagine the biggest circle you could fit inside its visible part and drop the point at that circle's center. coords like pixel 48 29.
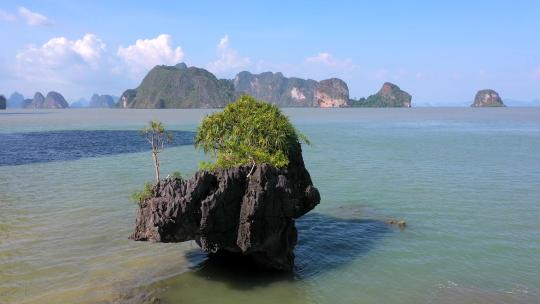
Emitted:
pixel 38 147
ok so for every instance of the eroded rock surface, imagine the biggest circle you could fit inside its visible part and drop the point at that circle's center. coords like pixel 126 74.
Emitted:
pixel 227 211
pixel 292 92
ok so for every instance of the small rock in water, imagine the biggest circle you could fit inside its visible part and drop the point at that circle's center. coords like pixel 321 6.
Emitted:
pixel 401 224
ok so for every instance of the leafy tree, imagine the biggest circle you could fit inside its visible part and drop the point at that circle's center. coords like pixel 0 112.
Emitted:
pixel 157 136
pixel 247 132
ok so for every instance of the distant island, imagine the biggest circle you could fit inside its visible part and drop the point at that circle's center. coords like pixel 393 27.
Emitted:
pixel 3 102
pixel 181 86
pixel 487 98
pixel 96 101
pixel 389 96
pixel 54 100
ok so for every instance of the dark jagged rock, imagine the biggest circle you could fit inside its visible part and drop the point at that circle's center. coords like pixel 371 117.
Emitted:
pixel 225 211
pixel 487 98
pixel 3 102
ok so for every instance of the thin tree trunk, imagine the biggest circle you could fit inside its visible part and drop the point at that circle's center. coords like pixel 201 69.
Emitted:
pixel 156 165
pixel 251 171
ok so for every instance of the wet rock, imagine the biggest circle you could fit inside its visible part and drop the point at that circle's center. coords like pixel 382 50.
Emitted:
pixel 401 224
pixel 228 211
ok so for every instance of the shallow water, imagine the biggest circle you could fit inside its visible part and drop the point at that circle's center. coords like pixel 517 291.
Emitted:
pixel 467 181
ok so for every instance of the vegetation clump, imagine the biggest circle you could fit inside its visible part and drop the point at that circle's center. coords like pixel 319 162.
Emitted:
pixel 139 196
pixel 176 175
pixel 247 132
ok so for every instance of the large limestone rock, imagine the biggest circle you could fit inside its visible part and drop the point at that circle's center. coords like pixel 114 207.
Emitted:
pixel 292 92
pixel 54 100
pixel 332 93
pixel 181 86
pixel 487 98
pixel 228 212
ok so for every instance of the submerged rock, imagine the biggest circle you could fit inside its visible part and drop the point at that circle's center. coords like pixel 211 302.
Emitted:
pixel 487 98
pixel 230 212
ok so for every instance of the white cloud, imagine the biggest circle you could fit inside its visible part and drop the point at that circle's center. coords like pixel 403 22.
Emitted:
pixel 68 66
pixel 33 18
pixel 147 53
pixel 61 52
pixel 328 60
pixel 5 16
pixel 90 48
pixel 228 58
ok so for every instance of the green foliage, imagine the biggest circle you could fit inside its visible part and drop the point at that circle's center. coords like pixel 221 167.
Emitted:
pixel 207 165
pixel 156 134
pixel 139 196
pixel 247 131
pixel 397 98
pixel 176 175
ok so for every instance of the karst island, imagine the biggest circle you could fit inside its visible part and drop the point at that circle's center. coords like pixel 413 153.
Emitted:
pixel 245 201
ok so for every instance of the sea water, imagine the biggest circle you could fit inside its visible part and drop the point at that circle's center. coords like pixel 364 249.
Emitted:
pixel 466 181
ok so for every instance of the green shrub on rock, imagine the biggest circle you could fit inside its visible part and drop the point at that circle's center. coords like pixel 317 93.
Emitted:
pixel 139 196
pixel 247 132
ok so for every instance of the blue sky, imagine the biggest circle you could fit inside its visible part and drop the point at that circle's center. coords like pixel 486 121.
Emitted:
pixel 441 53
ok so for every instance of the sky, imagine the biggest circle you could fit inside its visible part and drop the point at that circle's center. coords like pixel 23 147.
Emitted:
pixel 441 53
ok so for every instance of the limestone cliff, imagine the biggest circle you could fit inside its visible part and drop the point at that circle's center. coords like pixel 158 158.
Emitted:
pixel 181 86
pixel 292 92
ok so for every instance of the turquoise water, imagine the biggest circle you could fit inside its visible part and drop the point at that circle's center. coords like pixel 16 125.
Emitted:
pixel 467 181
